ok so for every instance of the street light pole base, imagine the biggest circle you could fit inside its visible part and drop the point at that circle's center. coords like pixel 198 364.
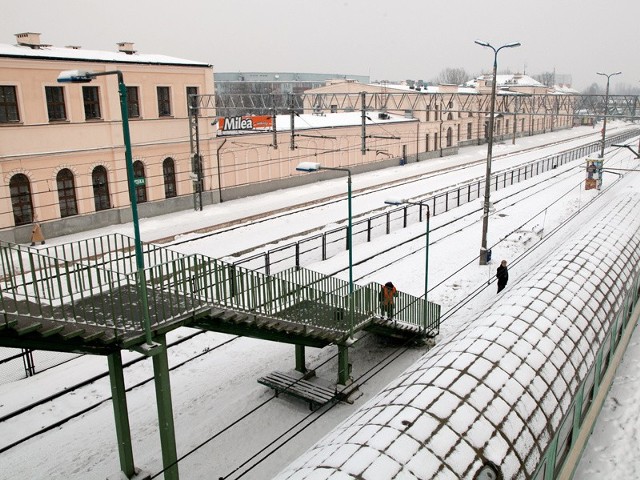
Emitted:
pixel 485 256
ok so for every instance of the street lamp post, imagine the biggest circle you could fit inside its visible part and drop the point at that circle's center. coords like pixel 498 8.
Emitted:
pixel 394 201
pixel 156 349
pixel 82 76
pixel 487 181
pixel 343 368
pixel 606 109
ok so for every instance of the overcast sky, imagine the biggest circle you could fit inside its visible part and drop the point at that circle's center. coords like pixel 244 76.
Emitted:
pixel 384 39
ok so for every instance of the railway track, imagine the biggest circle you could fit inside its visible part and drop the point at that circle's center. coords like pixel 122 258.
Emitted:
pixel 362 379
pixel 269 216
pixel 400 247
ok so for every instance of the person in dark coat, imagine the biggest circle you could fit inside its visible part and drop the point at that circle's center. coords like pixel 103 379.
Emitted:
pixel 502 274
pixel 386 296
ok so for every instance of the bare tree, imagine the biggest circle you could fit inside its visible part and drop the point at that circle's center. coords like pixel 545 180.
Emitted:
pixel 625 89
pixel 454 76
pixel 592 89
pixel 548 79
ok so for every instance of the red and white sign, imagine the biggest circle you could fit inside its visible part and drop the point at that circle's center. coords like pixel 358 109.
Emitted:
pixel 245 123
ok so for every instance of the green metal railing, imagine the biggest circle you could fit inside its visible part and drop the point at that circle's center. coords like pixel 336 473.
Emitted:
pixel 115 252
pixel 95 281
pixel 408 309
pixel 40 286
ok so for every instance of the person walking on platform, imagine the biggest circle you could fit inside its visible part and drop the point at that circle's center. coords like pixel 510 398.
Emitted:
pixel 502 274
pixel 386 297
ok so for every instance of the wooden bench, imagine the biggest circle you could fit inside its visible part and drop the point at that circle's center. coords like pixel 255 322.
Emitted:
pixel 302 386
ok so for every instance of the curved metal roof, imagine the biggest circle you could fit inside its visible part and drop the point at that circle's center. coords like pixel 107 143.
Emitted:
pixel 497 388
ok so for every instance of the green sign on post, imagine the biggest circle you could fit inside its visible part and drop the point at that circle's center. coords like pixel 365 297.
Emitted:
pixel 138 182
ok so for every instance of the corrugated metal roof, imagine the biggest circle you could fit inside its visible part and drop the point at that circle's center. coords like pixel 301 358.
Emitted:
pixel 498 388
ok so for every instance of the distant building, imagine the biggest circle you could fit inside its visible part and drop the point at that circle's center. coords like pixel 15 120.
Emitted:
pixel 450 116
pixel 235 89
pixel 61 145
pixel 62 158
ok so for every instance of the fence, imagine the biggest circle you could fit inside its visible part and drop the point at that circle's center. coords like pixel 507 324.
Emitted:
pixel 98 285
pixel 322 246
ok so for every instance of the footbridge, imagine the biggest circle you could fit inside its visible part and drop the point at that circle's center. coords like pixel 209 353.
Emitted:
pixel 89 297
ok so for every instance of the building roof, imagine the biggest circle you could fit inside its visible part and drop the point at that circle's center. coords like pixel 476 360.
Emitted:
pixel 83 55
pixel 498 387
pixel 285 77
pixel 510 80
pixel 565 89
pixel 425 88
pixel 305 121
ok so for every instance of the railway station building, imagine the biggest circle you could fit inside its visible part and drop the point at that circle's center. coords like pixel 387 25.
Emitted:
pixel 61 145
pixel 62 151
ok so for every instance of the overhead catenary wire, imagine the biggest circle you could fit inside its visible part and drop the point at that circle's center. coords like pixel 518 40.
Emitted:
pixel 236 168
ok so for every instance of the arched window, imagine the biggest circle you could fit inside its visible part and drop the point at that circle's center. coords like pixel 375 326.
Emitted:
pixel 139 181
pixel 21 199
pixel 449 137
pixel 169 172
pixel 66 193
pixel 100 188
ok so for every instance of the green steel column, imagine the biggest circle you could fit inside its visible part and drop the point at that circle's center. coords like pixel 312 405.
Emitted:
pixel 426 273
pixel 119 400
pixel 350 235
pixel 343 364
pixel 142 283
pixel 165 411
pixel 300 363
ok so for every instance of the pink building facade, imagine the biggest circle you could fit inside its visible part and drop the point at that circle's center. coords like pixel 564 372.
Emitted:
pixel 62 157
pixel 61 145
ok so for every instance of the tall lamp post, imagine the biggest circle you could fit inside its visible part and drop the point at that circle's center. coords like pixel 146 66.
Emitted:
pixel 394 201
pixel 343 368
pixel 83 76
pixel 606 109
pixel 487 181
pixel 156 349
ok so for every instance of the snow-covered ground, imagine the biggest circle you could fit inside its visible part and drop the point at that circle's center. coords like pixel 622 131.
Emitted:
pixel 219 388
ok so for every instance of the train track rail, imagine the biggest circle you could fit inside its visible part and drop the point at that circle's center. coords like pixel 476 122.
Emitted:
pixel 217 229
pixel 308 420
pixel 74 389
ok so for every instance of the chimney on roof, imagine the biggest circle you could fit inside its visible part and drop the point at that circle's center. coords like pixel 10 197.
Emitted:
pixel 126 47
pixel 29 39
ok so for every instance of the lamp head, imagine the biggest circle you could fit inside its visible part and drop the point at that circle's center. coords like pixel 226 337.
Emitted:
pixel 395 201
pixel 308 167
pixel 512 45
pixel 610 75
pixel 482 44
pixel 75 76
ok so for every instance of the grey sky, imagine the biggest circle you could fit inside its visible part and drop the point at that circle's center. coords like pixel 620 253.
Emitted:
pixel 385 39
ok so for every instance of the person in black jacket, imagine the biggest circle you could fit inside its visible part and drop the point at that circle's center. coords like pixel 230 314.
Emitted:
pixel 502 274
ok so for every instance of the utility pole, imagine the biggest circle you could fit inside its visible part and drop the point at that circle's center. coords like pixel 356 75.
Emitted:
pixel 515 120
pixel 292 117
pixel 273 122
pixel 484 253
pixel 606 109
pixel 364 122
